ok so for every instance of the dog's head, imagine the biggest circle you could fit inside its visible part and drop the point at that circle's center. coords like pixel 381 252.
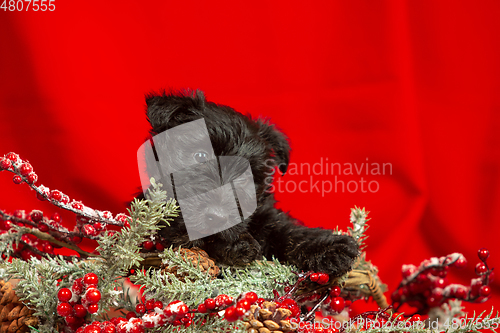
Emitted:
pixel 200 163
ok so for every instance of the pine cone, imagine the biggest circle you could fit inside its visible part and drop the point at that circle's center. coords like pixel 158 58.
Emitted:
pixel 15 317
pixel 268 318
pixel 205 263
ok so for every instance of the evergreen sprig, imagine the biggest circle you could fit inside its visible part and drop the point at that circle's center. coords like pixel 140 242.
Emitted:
pixel 122 250
pixel 261 277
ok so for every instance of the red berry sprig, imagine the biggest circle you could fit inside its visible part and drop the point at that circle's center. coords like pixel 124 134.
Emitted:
pixel 24 173
pixel 240 309
pixel 82 298
pixel 426 286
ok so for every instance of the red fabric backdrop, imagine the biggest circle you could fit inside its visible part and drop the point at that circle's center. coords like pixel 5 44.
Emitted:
pixel 410 83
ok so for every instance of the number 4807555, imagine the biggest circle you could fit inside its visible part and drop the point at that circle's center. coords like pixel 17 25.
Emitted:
pixel 26 5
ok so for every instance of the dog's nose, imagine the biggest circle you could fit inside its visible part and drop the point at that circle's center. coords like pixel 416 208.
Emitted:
pixel 216 218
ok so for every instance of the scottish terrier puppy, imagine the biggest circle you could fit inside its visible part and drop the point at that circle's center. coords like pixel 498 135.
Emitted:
pixel 239 151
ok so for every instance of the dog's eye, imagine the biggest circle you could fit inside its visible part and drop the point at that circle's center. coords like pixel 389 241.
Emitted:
pixel 200 157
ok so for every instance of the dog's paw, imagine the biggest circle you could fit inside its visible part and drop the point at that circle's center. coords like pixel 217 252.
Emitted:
pixel 242 251
pixel 332 254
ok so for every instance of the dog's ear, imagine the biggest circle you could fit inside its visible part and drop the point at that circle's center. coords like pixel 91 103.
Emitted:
pixel 278 142
pixel 170 109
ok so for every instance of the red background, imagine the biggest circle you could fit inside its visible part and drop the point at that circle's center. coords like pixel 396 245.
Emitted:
pixel 411 83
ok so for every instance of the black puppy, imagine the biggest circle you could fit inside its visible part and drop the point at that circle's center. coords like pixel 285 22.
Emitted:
pixel 268 231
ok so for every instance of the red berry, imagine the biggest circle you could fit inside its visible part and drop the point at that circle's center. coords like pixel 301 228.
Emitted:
pixel 210 303
pixel 437 294
pixel 107 215
pixel 109 329
pixel 240 312
pixel 91 279
pixel 17 180
pixel 89 230
pixel 92 329
pixel 323 278
pixel 140 308
pixel 337 304
pixel 150 304
pixel 335 291
pixel 158 304
pixel 222 300
pixel 485 291
pixel 36 216
pixel 295 310
pixel 56 195
pixel 77 205
pixel 126 224
pixel 243 304
pixel 202 308
pixel 80 310
pixel 460 293
pixel 483 254
pixel 5 164
pixel 443 272
pixel 65 199
pixel 440 283
pixel 397 316
pixel 76 239
pixel 19 213
pixel 70 320
pixel 314 277
pixel 116 320
pixel 433 302
pixel 7 224
pixel 32 178
pixel 25 169
pixel 77 287
pixel 93 295
pixel 98 226
pixel 121 218
pixel 64 295
pixel 148 245
pixel 93 308
pixel 27 255
pixel 176 308
pixel 137 329
pixel 131 314
pixel 159 246
pixel 41 196
pixel 251 297
pixel 12 156
pixel 43 227
pixel 48 248
pixel 230 314
pixel 64 309
pixel 481 269
pixel 56 217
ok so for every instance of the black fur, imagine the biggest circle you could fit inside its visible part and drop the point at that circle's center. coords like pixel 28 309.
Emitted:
pixel 269 231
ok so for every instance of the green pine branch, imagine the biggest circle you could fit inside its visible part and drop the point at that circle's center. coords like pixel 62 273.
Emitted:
pixel 261 277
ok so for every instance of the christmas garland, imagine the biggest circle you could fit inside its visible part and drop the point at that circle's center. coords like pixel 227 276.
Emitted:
pixel 183 290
